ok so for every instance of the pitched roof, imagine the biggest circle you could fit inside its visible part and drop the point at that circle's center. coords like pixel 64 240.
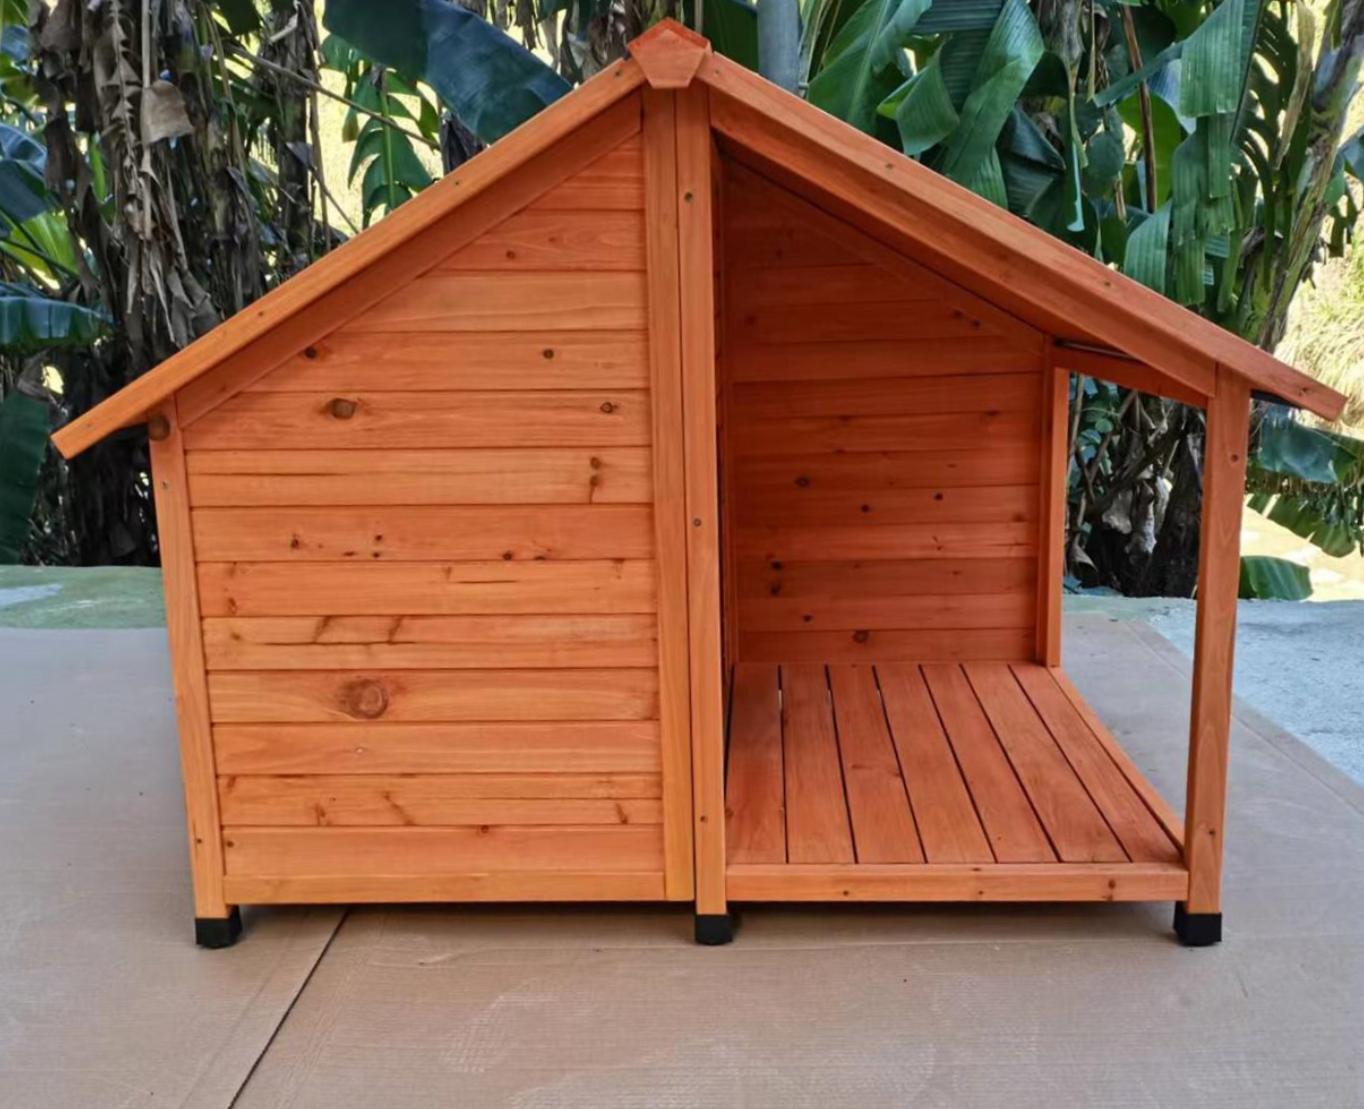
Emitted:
pixel 971 241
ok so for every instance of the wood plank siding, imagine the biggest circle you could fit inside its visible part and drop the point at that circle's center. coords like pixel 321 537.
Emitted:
pixel 881 446
pixel 428 575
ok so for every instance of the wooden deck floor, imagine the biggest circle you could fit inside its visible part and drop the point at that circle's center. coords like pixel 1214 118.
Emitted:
pixel 935 782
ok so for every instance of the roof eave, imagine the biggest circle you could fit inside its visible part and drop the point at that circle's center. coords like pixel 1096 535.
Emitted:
pixel 1141 309
pixel 135 401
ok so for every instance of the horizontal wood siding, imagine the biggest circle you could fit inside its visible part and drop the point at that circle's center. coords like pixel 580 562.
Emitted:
pixel 426 561
pixel 882 442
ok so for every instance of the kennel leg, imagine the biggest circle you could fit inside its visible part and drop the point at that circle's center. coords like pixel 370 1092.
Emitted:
pixel 218 931
pixel 714 929
pixel 1197 929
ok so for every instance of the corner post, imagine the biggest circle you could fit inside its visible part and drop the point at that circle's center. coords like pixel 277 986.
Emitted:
pixel 216 923
pixel 670 509
pixel 697 298
pixel 1052 483
pixel 1198 920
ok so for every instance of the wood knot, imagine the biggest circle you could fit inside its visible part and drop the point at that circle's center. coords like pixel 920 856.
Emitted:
pixel 364 697
pixel 342 408
pixel 802 482
pixel 547 353
pixel 158 428
pixel 310 352
pixel 607 407
pixel 861 636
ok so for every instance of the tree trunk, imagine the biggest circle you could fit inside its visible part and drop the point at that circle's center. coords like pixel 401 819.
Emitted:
pixel 779 43
pixel 290 42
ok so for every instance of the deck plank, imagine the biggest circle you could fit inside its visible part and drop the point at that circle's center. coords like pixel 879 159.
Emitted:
pixel 948 823
pixel 817 828
pixel 1012 826
pixel 755 793
pixel 1132 822
pixel 878 803
pixel 1076 827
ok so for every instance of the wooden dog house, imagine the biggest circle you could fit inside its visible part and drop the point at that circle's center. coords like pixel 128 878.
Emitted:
pixel 668 504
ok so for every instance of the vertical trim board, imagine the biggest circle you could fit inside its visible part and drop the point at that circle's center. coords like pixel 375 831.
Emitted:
pixel 670 526
pixel 697 322
pixel 184 630
pixel 1219 546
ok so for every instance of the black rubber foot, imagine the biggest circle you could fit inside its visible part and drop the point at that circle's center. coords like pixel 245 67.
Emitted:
pixel 1197 929
pixel 218 931
pixel 713 929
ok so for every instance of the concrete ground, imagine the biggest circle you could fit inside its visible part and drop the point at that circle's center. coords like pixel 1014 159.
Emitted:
pixel 104 1001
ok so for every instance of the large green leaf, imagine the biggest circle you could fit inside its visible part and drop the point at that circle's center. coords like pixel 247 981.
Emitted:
pixel 24 426
pixel 860 68
pixel 488 81
pixel 1296 450
pixel 1215 58
pixel 732 27
pixel 1148 250
pixel 947 16
pixel 923 109
pixel 1010 55
pixel 1029 162
pixel 29 321
pixel 23 191
pixel 1274 579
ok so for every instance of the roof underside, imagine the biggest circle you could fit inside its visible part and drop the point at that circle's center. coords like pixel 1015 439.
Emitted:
pixel 1026 273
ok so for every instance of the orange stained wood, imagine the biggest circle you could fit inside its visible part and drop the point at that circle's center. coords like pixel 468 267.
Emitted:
pixel 946 817
pixel 958 882
pixel 542 747
pixel 817 829
pixel 539 239
pixel 440 695
pixel 416 533
pixel 472 885
pixel 1072 821
pixel 886 770
pixel 433 361
pixel 983 250
pixel 1224 473
pixel 403 420
pixel 693 198
pixel 429 642
pixel 1054 471
pixel 613 182
pixel 669 54
pixel 327 801
pixel 1006 816
pixel 755 828
pixel 986 248
pixel 1127 372
pixel 170 487
pixel 499 587
pixel 882 818
pixel 486 476
pixel 399 237
pixel 358 852
pixel 670 521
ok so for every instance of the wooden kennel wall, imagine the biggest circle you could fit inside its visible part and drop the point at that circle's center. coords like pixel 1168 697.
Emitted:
pixel 668 505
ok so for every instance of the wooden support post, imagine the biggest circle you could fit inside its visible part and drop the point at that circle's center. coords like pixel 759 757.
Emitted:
pixel 696 274
pixel 670 508
pixel 1051 532
pixel 1224 477
pixel 184 630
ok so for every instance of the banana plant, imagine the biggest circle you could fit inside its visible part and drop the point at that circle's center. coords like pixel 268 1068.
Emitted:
pixel 487 80
pixel 384 153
